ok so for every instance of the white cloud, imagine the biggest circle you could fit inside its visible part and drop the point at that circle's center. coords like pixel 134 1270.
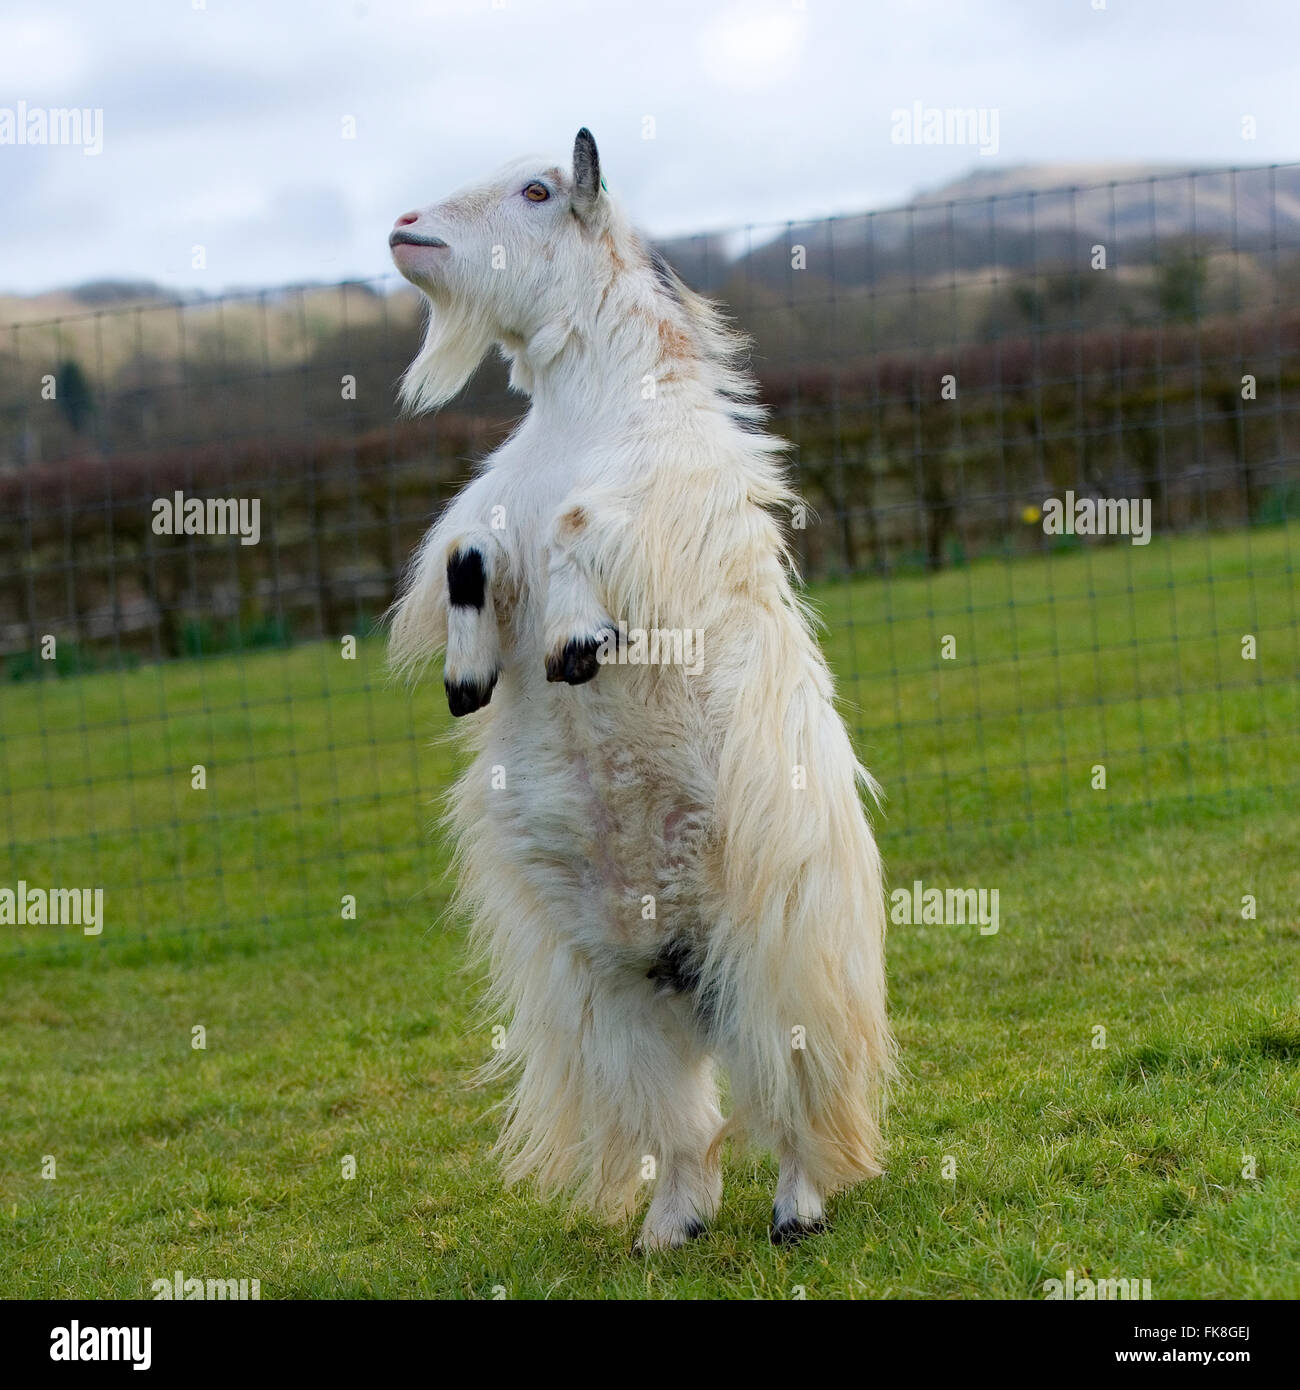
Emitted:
pixel 222 125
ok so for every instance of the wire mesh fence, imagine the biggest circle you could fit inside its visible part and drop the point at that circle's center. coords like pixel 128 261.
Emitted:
pixel 1048 447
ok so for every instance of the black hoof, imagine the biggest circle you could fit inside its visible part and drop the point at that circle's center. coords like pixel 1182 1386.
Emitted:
pixel 576 664
pixel 464 697
pixel 791 1231
pixel 695 1228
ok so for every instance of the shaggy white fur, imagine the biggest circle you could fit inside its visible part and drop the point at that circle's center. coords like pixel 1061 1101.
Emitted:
pixel 666 869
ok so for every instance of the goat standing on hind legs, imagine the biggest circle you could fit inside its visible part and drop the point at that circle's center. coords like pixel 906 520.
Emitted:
pixel 667 865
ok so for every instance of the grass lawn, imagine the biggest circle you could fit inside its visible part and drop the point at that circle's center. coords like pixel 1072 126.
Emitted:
pixel 1020 1147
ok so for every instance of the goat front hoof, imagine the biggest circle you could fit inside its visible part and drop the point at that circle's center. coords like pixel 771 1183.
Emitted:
pixel 576 663
pixel 464 697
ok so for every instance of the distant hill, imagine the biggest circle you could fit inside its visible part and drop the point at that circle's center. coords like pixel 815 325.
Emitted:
pixel 1138 200
pixel 1021 218
pixel 1018 217
pixel 115 293
pixel 81 301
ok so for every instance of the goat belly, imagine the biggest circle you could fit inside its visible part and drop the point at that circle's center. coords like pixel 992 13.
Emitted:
pixel 615 839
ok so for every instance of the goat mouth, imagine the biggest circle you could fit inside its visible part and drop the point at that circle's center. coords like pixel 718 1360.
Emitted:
pixel 402 238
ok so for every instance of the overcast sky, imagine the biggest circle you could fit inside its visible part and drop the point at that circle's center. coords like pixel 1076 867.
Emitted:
pixel 224 121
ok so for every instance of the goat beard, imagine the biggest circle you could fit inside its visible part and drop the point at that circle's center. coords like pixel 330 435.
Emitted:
pixel 456 340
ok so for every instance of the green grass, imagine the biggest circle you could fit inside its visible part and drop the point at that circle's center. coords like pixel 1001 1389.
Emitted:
pixel 1120 910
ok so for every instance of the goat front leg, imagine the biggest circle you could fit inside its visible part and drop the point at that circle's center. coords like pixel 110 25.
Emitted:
pixel 577 625
pixel 475 571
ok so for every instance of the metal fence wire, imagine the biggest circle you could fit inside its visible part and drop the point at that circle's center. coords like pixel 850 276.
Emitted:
pixel 1048 448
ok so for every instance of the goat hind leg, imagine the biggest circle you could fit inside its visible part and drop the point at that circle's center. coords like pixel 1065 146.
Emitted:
pixel 651 1089
pixel 688 1188
pixel 798 1209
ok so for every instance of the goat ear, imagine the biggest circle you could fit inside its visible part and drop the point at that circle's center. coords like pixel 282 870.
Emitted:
pixel 586 174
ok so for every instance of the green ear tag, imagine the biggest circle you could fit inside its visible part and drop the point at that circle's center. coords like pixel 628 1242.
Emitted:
pixel 603 184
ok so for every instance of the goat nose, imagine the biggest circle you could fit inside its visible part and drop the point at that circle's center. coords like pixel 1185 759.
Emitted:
pixel 406 219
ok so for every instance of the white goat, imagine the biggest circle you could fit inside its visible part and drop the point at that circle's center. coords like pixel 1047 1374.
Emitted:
pixel 667 866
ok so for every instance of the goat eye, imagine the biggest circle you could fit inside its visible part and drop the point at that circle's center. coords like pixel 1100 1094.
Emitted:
pixel 537 193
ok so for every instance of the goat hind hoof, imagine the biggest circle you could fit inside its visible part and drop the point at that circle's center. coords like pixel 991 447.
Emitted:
pixel 671 1239
pixel 790 1230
